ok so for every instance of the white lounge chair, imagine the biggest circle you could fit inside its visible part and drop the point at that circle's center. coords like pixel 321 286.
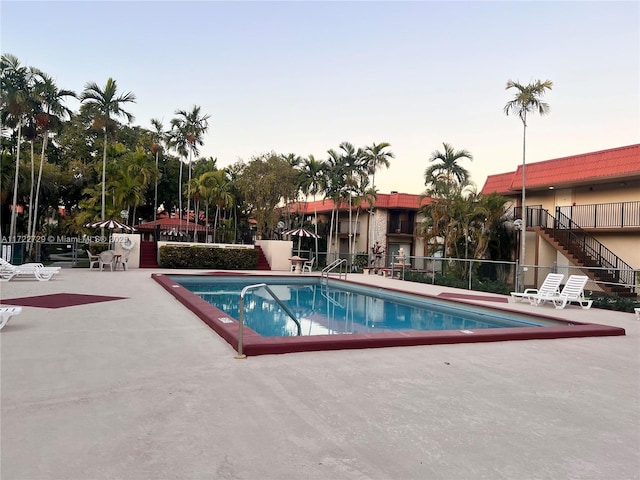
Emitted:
pixel 37 270
pixel 6 313
pixel 549 288
pixel 573 291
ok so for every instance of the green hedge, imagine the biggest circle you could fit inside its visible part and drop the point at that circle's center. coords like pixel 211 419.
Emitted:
pixel 208 257
pixel 96 248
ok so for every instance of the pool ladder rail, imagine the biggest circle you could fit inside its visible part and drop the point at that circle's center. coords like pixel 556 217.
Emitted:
pixel 340 262
pixel 243 293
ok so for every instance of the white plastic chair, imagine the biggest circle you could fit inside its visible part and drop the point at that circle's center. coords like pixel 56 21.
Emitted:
pixel 107 258
pixel 93 260
pixel 307 266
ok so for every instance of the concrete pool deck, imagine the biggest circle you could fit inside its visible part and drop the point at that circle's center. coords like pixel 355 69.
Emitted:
pixel 140 388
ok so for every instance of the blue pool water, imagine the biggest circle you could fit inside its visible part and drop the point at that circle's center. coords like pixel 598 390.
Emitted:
pixel 340 308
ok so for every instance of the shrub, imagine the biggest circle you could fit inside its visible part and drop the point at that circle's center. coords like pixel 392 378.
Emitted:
pixel 360 261
pixel 96 248
pixel 614 302
pixel 208 257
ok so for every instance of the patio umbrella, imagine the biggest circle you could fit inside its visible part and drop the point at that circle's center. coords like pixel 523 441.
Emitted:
pixel 110 223
pixel 300 232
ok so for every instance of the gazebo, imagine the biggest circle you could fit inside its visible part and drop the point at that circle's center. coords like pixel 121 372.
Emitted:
pixel 171 229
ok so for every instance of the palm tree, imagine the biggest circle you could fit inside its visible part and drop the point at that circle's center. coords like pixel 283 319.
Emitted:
pixel 448 165
pixel 159 136
pixel 15 91
pixel 53 111
pixel 312 182
pixel 128 191
pixel 106 103
pixel 220 195
pixel 527 99
pixel 346 170
pixel 188 129
pixel 375 157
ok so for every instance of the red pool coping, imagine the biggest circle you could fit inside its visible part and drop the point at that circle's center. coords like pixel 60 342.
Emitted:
pixel 256 344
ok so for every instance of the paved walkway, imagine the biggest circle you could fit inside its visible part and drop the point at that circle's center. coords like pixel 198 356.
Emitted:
pixel 140 388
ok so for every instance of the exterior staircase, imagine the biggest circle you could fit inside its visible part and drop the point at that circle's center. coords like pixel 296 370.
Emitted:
pixel 263 263
pixel 613 275
pixel 148 258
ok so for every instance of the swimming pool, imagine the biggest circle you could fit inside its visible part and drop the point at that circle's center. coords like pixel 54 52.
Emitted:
pixel 330 308
pixel 344 315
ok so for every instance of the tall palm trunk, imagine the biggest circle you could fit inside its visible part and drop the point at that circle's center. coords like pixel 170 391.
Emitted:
pixel 189 195
pixel 333 210
pixel 350 234
pixel 155 191
pixel 235 220
pixel 357 219
pixel 14 209
pixel 104 178
pixel 33 182
pixel 37 198
pixel 372 230
pixel 215 224
pixel 524 206
pixel 315 222
pixel 206 222
pixel 180 199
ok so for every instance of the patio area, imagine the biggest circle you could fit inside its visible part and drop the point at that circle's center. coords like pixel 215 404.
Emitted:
pixel 129 384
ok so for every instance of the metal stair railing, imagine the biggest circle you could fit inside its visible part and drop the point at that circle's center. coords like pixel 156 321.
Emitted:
pixel 332 266
pixel 583 245
pixel 243 293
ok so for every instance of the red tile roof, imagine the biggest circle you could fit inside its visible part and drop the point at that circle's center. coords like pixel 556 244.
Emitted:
pixel 169 224
pixel 404 201
pixel 612 164
pixel 500 183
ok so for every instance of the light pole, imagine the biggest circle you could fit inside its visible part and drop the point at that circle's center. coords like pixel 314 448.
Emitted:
pixel 155 189
pixel 517 226
pixel 523 225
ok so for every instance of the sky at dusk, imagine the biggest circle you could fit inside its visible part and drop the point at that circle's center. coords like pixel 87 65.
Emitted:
pixel 301 77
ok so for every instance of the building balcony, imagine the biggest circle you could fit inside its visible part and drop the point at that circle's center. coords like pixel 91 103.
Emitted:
pixel 611 217
pixel 401 228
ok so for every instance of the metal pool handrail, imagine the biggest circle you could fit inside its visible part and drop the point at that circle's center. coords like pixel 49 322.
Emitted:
pixel 332 266
pixel 241 322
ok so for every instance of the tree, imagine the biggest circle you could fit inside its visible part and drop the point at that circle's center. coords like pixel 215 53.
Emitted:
pixel 265 182
pixel 16 84
pixel 187 130
pixel 312 183
pixel 375 157
pixel 448 166
pixel 52 114
pixel 526 100
pixel 220 195
pixel 105 104
pixel 346 171
pixel 159 137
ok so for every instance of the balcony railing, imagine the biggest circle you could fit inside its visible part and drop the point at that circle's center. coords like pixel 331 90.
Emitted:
pixel 603 215
pixel 401 227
